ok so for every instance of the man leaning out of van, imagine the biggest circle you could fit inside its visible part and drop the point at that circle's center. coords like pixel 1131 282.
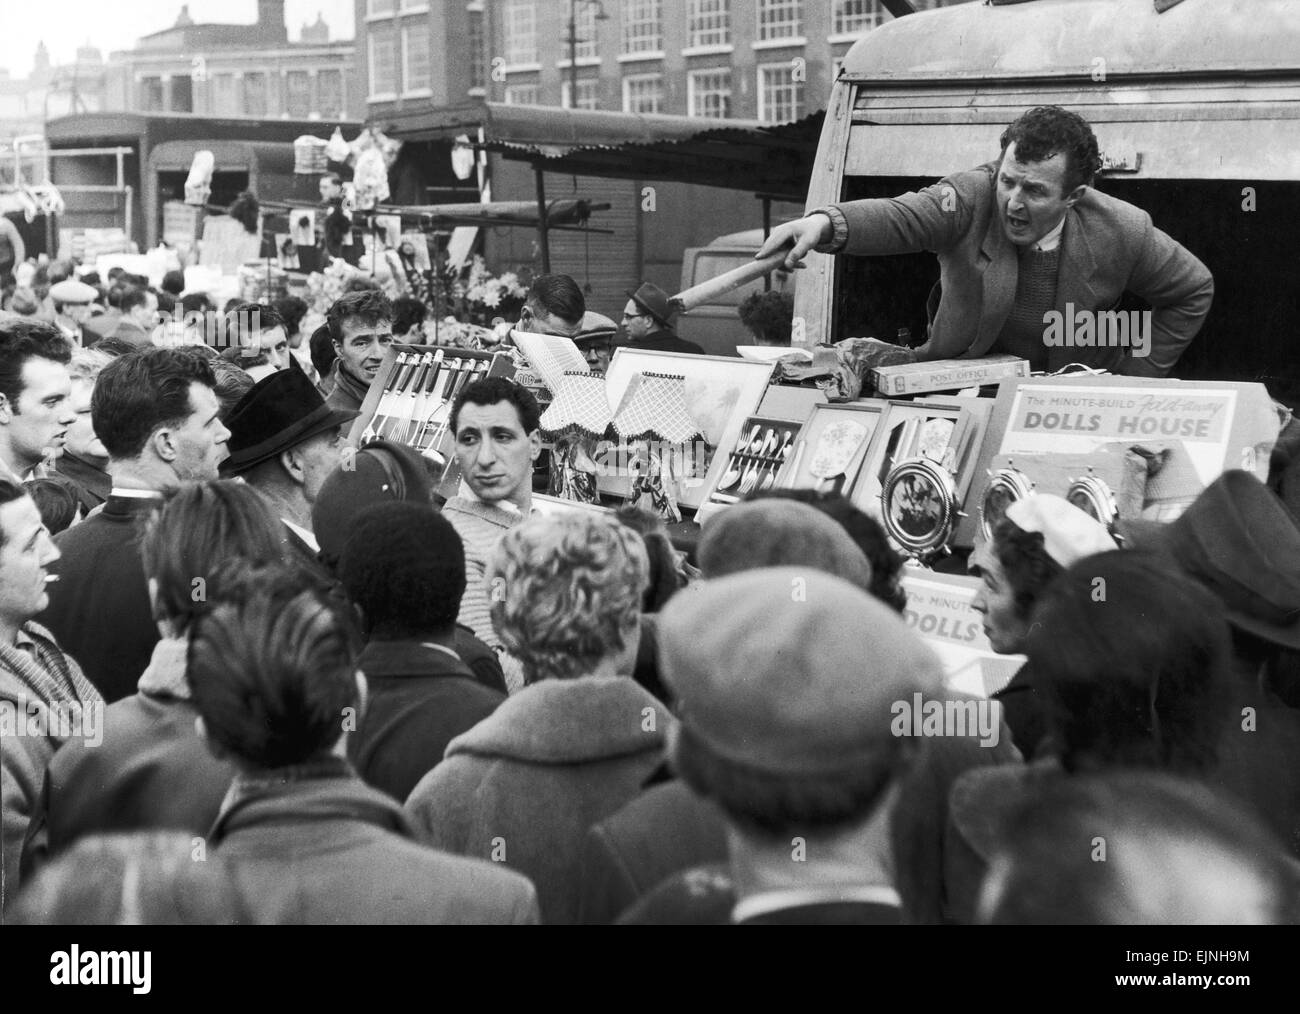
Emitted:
pixel 1028 253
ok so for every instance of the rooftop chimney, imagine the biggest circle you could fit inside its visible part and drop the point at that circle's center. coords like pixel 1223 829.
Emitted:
pixel 271 26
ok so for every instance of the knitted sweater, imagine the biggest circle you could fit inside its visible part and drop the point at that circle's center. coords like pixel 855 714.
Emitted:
pixel 1023 333
pixel 480 526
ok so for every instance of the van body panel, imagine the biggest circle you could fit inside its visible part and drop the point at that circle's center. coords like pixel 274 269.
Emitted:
pixel 1062 38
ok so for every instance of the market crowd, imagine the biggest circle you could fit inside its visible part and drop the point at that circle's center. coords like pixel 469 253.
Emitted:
pixel 250 675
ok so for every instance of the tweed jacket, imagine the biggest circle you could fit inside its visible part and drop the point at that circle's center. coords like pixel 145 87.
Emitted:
pixel 31 731
pixel 151 772
pixel 1108 247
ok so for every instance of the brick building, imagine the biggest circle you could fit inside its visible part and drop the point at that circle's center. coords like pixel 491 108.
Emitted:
pixel 238 70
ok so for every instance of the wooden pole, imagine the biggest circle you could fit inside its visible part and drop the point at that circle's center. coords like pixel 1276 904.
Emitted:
pixel 542 231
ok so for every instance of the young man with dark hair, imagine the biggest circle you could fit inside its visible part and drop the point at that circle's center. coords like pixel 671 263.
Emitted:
pixel 36 676
pixel 156 414
pixel 272 671
pixel 496 423
pixel 256 339
pixel 361 330
pixel 35 396
pixel 403 567
pixel 1018 239
pixel 139 308
pixel 554 305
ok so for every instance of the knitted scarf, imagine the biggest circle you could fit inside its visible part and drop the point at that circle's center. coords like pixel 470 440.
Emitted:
pixel 52 675
pixel 342 378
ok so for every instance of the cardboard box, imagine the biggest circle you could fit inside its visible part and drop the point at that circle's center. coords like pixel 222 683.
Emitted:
pixel 946 374
pixel 1052 427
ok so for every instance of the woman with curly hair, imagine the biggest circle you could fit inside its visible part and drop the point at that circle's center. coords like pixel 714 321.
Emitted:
pixel 581 738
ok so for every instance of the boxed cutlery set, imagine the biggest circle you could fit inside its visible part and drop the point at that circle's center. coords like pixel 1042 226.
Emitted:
pixel 764 447
pixel 411 398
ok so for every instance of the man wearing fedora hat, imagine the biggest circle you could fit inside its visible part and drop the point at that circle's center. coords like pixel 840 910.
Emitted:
pixel 647 319
pixel 284 442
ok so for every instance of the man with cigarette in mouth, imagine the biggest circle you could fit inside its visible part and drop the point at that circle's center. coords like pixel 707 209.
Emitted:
pixel 44 698
pixel 1022 241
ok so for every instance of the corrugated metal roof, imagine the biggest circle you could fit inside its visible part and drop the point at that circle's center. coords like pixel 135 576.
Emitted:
pixel 738 154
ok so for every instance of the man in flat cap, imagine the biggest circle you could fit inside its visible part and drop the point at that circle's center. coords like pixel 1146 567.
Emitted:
pixel 788 681
pixel 73 301
pixel 648 319
pixel 285 441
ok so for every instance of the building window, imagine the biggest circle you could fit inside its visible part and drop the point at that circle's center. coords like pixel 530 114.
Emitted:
pixel 585 28
pixel 780 19
pixel 383 63
pixel 710 23
pixel 414 5
pixel 255 94
pixel 643 93
pixel 182 94
pixel 521 32
pixel 297 92
pixel 379 8
pixel 329 94
pixel 853 17
pixel 523 95
pixel 416 71
pixel 709 93
pixel 151 94
pixel 780 95
pixel 477 51
pixel 643 26
pixel 225 100
pixel 588 94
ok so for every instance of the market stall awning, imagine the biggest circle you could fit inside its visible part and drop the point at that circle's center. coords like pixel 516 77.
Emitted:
pixel 737 154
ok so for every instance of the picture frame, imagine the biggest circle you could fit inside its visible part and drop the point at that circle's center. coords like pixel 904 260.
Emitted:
pixel 819 445
pixel 721 393
pixel 919 506
pixel 908 431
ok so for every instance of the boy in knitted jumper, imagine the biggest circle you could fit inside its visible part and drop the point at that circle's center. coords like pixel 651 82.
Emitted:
pixel 496 423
